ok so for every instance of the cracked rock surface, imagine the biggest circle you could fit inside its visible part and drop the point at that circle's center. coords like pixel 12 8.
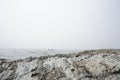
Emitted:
pixel 101 64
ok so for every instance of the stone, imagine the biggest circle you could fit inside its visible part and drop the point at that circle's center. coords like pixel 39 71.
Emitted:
pixel 101 64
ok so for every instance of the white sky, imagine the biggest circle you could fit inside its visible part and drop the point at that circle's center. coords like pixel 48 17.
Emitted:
pixel 60 24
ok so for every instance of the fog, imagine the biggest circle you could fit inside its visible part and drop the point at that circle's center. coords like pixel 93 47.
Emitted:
pixel 60 24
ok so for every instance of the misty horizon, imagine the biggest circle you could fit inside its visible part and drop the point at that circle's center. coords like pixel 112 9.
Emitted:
pixel 64 24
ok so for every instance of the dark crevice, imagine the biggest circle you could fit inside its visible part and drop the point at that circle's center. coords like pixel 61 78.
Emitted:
pixel 34 74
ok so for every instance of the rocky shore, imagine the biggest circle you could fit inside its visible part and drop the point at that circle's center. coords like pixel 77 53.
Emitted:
pixel 101 64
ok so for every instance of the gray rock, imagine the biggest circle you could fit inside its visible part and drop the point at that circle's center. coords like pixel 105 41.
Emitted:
pixel 87 65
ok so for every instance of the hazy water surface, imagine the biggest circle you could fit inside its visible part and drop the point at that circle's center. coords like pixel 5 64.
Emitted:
pixel 23 53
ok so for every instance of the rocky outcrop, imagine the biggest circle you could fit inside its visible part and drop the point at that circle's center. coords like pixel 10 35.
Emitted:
pixel 87 65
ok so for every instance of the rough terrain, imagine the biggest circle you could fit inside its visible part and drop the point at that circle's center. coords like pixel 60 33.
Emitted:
pixel 101 64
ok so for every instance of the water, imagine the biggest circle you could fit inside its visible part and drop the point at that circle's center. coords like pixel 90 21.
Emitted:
pixel 23 53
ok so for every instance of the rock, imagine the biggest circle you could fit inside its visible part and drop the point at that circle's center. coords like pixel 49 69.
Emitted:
pixel 87 65
pixel 29 59
pixel 1 69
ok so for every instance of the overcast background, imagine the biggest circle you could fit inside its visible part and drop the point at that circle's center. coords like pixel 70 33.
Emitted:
pixel 60 24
